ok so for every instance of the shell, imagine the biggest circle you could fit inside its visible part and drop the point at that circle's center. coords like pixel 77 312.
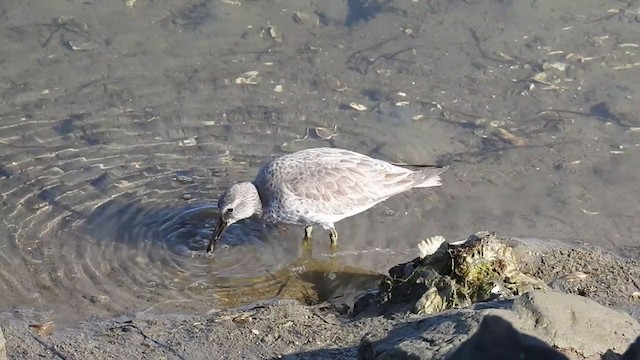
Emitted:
pixel 429 246
pixel 358 107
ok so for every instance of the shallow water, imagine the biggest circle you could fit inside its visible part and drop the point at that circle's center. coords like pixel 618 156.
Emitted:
pixel 120 125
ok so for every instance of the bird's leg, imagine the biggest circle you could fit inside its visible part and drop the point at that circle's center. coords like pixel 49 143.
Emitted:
pixel 333 240
pixel 306 243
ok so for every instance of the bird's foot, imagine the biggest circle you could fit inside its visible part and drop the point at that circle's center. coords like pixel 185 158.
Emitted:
pixel 333 241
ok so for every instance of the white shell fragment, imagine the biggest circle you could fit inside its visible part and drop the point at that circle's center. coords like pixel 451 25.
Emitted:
pixel 303 18
pixel 274 33
pixel 79 46
pixel 192 141
pixel 278 88
pixel 340 87
pixel 559 66
pixel 299 17
pixel 576 276
pixel 247 78
pixel 430 246
pixel 358 107
pixel 321 133
pixel 313 133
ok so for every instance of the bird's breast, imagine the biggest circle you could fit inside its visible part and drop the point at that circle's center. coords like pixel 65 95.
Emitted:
pixel 274 214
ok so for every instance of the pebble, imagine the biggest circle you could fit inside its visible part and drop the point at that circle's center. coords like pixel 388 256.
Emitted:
pixel 99 299
pixel 183 179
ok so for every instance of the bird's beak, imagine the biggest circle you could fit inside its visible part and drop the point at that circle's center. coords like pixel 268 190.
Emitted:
pixel 217 233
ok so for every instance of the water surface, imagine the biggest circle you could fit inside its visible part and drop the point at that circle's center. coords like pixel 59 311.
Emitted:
pixel 120 125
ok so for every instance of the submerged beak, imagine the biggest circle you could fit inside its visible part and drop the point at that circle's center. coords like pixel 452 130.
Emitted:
pixel 217 233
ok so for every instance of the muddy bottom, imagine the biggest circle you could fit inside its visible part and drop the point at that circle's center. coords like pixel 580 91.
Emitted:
pixel 122 122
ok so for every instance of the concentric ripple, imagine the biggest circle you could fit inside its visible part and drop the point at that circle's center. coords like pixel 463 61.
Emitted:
pixel 106 220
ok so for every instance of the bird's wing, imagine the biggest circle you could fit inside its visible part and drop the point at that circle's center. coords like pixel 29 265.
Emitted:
pixel 337 182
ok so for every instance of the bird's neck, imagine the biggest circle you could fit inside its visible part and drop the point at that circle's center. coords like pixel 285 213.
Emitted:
pixel 258 201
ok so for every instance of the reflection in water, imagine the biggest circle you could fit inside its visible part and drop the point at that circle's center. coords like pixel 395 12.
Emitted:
pixel 250 266
pixel 307 280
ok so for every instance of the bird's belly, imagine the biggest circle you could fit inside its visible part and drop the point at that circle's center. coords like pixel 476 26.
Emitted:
pixel 327 220
pixel 301 216
pixel 287 217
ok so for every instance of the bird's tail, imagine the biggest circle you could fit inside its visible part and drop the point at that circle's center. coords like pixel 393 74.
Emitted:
pixel 429 177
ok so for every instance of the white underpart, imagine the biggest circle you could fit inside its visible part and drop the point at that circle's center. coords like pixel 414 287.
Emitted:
pixel 327 220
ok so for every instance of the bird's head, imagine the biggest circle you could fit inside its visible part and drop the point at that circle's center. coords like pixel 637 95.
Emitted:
pixel 239 202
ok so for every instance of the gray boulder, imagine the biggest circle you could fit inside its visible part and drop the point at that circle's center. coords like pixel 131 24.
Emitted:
pixel 574 322
pixel 569 323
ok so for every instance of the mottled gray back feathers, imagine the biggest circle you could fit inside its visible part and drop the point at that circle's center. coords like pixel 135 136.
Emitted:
pixel 328 183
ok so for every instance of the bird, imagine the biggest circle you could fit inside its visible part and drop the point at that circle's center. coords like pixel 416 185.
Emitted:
pixel 317 186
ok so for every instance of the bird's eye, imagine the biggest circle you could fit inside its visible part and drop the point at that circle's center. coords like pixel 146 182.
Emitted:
pixel 229 210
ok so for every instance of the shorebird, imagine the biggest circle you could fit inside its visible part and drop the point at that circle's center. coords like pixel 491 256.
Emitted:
pixel 318 186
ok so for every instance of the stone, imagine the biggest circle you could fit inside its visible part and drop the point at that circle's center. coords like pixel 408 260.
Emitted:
pixel 569 324
pixel 575 323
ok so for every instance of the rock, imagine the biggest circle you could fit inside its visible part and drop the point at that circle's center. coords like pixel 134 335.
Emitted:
pixel 447 336
pixel 569 323
pixel 428 338
pixel 498 339
pixel 575 323
pixel 99 299
pixel 3 346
